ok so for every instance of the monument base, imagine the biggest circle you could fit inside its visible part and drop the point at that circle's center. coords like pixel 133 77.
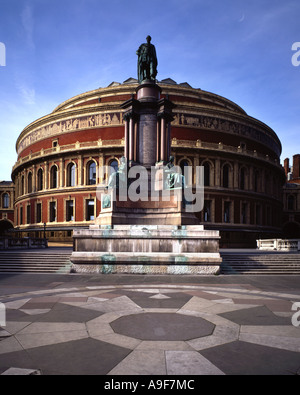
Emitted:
pixel 144 249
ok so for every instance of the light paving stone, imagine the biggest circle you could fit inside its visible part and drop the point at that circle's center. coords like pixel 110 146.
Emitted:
pixel 159 296
pixel 189 363
pixel 97 328
pixel 207 342
pixel 16 304
pixel 198 304
pixel 122 303
pixel 33 340
pixel 147 291
pixel 51 327
pixel 272 330
pixel 142 362
pixel 103 287
pixel 222 335
pixel 215 319
pixel 230 301
pixel 158 310
pixel 284 313
pixel 35 311
pixel 21 372
pixel 93 299
pixel 119 340
pixel 71 295
pixel 164 345
pixel 280 342
pixel 14 327
pixel 219 308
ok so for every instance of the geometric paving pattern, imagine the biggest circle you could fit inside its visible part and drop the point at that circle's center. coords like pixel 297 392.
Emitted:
pixel 149 330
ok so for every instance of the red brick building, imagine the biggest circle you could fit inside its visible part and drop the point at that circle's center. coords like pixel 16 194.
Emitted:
pixel 291 199
pixel 7 195
pixel 61 154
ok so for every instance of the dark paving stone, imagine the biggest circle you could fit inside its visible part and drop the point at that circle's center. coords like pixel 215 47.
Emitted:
pixel 19 316
pixel 241 358
pixel 79 357
pixel 256 316
pixel 17 359
pixel 162 326
pixel 273 305
pixel 143 299
pixel 63 313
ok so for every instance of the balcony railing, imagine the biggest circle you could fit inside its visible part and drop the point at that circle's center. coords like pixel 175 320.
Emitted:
pixel 279 245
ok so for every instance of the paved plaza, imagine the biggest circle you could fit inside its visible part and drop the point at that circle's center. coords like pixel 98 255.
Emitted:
pixel 149 325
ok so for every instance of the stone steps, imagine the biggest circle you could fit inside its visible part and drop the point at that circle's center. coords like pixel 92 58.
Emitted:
pixel 257 264
pixel 35 262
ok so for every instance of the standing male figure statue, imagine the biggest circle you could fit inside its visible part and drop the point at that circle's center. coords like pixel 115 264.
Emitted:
pixel 147 62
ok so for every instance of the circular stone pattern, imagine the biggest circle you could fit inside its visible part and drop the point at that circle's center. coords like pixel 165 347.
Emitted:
pixel 162 326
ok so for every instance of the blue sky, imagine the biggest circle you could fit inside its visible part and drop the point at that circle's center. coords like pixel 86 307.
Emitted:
pixel 56 49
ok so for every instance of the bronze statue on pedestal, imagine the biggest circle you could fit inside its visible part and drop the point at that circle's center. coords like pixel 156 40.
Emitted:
pixel 147 62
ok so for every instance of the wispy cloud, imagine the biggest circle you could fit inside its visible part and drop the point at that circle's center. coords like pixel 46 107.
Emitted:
pixel 27 94
pixel 28 24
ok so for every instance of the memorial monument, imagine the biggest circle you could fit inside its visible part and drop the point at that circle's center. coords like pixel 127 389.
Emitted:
pixel 147 222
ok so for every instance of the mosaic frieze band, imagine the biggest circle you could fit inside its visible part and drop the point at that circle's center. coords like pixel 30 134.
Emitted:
pixel 70 125
pixel 116 119
pixel 227 126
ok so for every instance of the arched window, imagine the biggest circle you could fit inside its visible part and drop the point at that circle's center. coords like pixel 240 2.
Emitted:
pixel 92 175
pixel 226 176
pixel 114 164
pixel 206 174
pixel 188 176
pixel 184 163
pixel 22 185
pixel 53 177
pixel 29 182
pixel 5 200
pixel 71 175
pixel 40 183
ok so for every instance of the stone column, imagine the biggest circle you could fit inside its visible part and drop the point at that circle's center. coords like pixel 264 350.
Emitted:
pixel 158 140
pixel 81 174
pixel 34 178
pixel 100 168
pixel 217 173
pixel 46 175
pixel 136 142
pixel 236 175
pixel 61 165
pixel 131 140
pixel 126 137
pixel 147 139
pixel 163 140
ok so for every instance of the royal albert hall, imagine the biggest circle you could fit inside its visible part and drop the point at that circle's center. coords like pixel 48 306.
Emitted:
pixel 61 157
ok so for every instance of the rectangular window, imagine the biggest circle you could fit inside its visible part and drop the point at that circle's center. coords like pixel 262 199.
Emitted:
pixel 244 213
pixel 39 213
pixel 52 211
pixel 207 211
pixel 258 215
pixel 90 210
pixel 21 215
pixel 28 214
pixel 227 206
pixel 269 216
pixel 70 210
